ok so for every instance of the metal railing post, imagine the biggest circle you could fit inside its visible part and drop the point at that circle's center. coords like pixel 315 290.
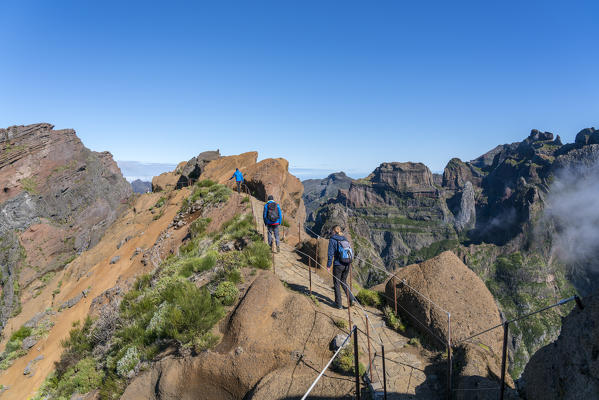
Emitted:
pixel 369 352
pixel 310 274
pixel 506 327
pixel 384 372
pixel 274 271
pixel 356 362
pixel 395 294
pixel 348 308
pixel 449 362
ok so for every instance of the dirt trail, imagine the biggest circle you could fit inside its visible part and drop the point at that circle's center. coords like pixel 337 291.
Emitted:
pixel 93 271
pixel 405 364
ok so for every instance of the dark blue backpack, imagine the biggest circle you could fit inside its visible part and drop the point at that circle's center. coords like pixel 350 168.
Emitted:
pixel 346 254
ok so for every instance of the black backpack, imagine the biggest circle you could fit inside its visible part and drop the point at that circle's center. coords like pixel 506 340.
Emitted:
pixel 272 212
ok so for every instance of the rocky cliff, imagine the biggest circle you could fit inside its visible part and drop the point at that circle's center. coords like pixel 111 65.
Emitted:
pixel 57 198
pixel 491 211
pixel 319 191
pixel 569 367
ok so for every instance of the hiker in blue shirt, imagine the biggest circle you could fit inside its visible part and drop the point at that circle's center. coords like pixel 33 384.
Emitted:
pixel 272 219
pixel 341 252
pixel 238 178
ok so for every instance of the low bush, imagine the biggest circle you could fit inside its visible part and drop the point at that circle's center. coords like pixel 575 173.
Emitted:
pixel 227 293
pixel 258 255
pixel 198 227
pixel 340 323
pixel 369 297
pixel 393 321
pixel 345 363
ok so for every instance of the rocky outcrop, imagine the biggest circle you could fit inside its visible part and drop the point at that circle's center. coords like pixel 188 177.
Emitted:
pixel 193 169
pixel 426 292
pixel 319 191
pixel 407 177
pixel 167 181
pixel 272 177
pixel 457 173
pixel 56 199
pixel 466 215
pixel 222 169
pixel 569 367
pixel 268 333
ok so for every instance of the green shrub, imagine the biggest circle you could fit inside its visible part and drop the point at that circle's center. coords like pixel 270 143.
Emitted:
pixel 369 297
pixel 235 276
pixel 80 378
pixel 227 293
pixel 340 323
pixel 240 227
pixel 414 341
pixel 393 321
pixel 285 223
pixel 128 362
pixel 160 202
pixel 205 341
pixel 258 255
pixel 188 266
pixel 345 363
pixel 198 227
pixel 209 192
pixel 205 183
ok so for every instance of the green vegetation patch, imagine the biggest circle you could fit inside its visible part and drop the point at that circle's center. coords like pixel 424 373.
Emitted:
pixel 29 185
pixel 208 193
pixel 345 363
pixel 369 297
pixel 393 320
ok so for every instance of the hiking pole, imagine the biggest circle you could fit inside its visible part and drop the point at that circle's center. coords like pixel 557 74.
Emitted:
pixel 356 362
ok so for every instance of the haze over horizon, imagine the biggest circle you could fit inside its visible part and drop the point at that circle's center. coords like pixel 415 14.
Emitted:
pixel 341 86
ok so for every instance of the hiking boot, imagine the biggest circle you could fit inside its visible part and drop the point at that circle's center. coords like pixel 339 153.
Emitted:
pixel 278 249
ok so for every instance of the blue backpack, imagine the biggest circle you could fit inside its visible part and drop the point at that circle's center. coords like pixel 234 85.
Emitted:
pixel 346 254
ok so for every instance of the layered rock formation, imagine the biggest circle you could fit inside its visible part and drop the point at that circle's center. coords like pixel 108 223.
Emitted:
pixel 57 198
pixel 319 191
pixel 490 211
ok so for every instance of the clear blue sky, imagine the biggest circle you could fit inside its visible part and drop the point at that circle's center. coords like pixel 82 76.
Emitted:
pixel 337 85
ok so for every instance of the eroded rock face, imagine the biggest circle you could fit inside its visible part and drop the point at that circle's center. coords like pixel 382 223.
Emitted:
pixel 319 191
pixel 404 177
pixel 264 337
pixel 222 169
pixel 56 199
pixel 568 368
pixel 427 291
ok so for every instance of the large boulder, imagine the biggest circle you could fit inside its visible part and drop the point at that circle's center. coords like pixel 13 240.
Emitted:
pixel 451 286
pixel 272 177
pixel 568 369
pixel 265 339
pixel 457 173
pixel 426 291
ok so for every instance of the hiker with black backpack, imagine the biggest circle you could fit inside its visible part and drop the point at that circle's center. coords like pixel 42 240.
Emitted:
pixel 238 178
pixel 272 219
pixel 341 252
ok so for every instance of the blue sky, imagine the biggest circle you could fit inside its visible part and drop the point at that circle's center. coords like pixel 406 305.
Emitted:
pixel 329 85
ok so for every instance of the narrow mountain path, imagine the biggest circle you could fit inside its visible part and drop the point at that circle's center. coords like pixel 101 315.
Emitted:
pixel 410 370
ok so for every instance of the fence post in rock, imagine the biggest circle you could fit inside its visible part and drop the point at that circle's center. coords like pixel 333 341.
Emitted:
pixel 506 325
pixel 348 307
pixel 356 362
pixel 274 271
pixel 395 294
pixel 299 233
pixel 310 273
pixel 384 372
pixel 316 255
pixel 369 352
pixel 449 362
